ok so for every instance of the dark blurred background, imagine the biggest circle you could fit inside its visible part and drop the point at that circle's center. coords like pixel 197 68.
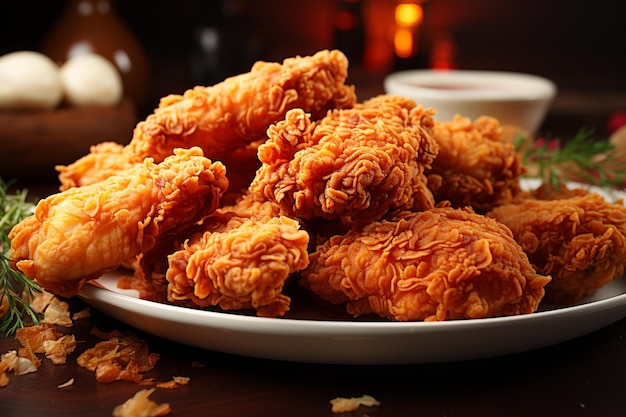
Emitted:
pixel 579 45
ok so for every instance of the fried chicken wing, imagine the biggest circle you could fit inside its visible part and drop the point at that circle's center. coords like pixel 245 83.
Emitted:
pixel 78 234
pixel 439 264
pixel 355 164
pixel 232 114
pixel 579 239
pixel 477 166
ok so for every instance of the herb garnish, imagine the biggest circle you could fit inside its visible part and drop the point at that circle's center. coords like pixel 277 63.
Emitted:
pixel 13 209
pixel 580 158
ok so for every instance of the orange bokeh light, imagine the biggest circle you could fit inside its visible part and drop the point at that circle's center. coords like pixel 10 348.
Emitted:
pixel 403 43
pixel 408 17
pixel 409 14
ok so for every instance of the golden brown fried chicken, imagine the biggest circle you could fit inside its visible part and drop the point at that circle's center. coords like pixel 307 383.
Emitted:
pixel 579 239
pixel 355 164
pixel 231 115
pixel 439 264
pixel 477 165
pixel 78 234
pixel 239 258
pixel 243 266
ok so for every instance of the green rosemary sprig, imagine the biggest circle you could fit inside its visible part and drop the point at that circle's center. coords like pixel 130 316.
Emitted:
pixel 580 158
pixel 13 209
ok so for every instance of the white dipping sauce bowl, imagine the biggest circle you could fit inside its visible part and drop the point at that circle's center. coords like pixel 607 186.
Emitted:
pixel 515 99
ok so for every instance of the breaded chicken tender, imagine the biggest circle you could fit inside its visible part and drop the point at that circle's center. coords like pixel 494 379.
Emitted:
pixel 579 239
pixel 78 234
pixel 477 166
pixel 354 164
pixel 439 264
pixel 226 118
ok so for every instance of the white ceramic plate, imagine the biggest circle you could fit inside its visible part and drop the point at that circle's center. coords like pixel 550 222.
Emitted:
pixel 359 342
pixel 322 340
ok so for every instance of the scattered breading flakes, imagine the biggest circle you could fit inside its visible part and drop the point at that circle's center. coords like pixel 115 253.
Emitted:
pixel 40 301
pixel 27 353
pixel 57 350
pixel 54 310
pixel 11 361
pixel 119 358
pixel 345 405
pixel 4 379
pixel 82 314
pixel 4 368
pixel 174 382
pixel 44 338
pixel 58 312
pixel 141 406
pixel 33 337
pixel 69 383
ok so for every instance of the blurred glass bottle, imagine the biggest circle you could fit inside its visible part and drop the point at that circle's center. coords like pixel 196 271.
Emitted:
pixel 225 43
pixel 94 26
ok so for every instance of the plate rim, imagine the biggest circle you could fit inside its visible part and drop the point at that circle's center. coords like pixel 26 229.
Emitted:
pixel 91 292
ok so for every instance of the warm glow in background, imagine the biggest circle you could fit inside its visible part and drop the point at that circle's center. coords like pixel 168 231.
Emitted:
pixel 580 46
pixel 408 16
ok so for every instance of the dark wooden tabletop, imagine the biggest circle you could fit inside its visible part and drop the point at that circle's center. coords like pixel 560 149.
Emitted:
pixel 581 377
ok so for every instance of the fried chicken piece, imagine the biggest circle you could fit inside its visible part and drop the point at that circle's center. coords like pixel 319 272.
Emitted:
pixel 80 233
pixel 244 266
pixel 477 164
pixel 232 114
pixel 151 265
pixel 355 164
pixel 435 265
pixel 238 258
pixel 578 239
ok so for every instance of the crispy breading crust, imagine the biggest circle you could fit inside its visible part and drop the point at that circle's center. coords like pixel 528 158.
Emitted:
pixel 355 164
pixel 439 264
pixel 477 166
pixel 228 117
pixel 79 234
pixel 579 239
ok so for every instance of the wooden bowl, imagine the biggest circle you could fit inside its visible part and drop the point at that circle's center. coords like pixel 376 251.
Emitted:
pixel 32 143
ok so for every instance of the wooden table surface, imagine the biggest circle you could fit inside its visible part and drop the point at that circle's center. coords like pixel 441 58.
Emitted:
pixel 581 377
